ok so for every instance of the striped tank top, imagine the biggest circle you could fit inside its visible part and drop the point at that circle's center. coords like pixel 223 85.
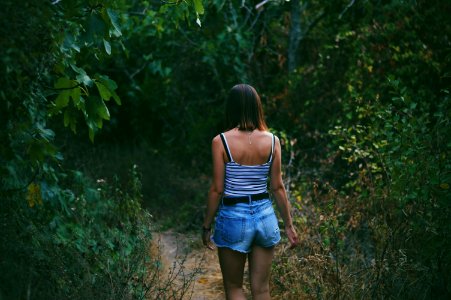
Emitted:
pixel 242 180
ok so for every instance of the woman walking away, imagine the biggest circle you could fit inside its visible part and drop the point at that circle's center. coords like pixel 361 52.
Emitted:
pixel 246 225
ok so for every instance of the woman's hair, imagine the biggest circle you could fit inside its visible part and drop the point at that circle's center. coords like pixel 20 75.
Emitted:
pixel 244 109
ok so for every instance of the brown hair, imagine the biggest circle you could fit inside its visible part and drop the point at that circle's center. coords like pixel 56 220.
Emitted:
pixel 244 109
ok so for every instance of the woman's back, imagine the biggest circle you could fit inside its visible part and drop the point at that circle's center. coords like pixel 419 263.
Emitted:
pixel 248 162
pixel 249 147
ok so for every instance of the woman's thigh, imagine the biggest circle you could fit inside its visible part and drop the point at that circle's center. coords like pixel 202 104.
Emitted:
pixel 232 266
pixel 260 260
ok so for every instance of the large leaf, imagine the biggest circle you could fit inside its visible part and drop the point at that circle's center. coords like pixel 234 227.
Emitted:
pixel 198 7
pixel 96 29
pixel 115 22
pixel 69 42
pixel 65 86
pixel 102 110
pixel 76 95
pixel 63 99
pixel 107 88
pixel 66 118
pixel 70 119
pixel 107 46
pixel 82 77
pixel 103 91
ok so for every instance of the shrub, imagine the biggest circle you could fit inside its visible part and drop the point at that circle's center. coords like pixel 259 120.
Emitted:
pixel 84 241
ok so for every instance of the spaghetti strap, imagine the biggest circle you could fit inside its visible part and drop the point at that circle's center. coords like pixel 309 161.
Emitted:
pixel 272 148
pixel 226 147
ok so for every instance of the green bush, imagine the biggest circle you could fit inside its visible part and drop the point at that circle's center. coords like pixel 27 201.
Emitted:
pixel 86 240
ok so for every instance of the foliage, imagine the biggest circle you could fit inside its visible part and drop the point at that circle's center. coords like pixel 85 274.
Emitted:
pixel 63 236
pixel 86 240
pixel 374 220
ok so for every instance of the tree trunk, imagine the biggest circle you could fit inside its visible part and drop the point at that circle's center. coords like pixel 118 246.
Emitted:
pixel 295 34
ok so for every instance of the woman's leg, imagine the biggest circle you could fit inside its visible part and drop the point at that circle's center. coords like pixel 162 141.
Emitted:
pixel 260 260
pixel 232 268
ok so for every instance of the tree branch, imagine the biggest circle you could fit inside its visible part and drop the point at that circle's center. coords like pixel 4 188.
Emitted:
pixel 346 8
pixel 259 5
pixel 314 23
pixel 295 34
pixel 64 88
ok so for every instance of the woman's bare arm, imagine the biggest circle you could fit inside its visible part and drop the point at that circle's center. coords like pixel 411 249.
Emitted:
pixel 216 188
pixel 279 192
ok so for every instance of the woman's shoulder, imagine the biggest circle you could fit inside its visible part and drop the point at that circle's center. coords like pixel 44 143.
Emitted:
pixel 267 133
pixel 217 138
pixel 234 132
pixel 230 131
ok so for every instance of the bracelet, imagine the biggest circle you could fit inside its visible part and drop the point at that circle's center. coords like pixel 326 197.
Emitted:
pixel 204 229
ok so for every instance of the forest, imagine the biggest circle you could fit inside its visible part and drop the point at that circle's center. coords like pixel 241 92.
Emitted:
pixel 108 110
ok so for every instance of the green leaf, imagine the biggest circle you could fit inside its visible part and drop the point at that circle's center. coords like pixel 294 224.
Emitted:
pixel 73 126
pixel 96 28
pixel 107 46
pixel 45 133
pixel 115 22
pixel 85 79
pixel 92 126
pixel 198 7
pixel 81 104
pixel 82 77
pixel 91 134
pixel 96 111
pixel 63 99
pixel 63 83
pixel 66 118
pixel 69 42
pixel 77 69
pixel 107 88
pixel 76 95
pixel 103 91
pixel 117 99
pixel 99 123
pixel 70 119
pixel 102 110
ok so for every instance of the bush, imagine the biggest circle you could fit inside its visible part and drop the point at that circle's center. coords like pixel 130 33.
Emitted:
pixel 84 241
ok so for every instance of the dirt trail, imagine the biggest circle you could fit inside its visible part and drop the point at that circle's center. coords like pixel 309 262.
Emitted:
pixel 184 254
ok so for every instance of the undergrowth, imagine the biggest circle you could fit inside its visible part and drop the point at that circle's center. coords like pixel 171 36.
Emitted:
pixel 81 239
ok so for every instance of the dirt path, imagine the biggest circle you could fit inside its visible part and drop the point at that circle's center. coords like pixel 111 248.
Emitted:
pixel 196 266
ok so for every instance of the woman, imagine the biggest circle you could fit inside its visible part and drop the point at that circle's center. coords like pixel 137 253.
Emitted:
pixel 246 226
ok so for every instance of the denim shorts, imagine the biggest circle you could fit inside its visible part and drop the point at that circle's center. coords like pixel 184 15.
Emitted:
pixel 243 225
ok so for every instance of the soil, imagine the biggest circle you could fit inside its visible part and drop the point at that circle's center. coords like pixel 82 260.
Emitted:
pixel 197 267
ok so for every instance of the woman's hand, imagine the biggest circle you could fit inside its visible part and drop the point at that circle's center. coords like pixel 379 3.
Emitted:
pixel 206 235
pixel 292 236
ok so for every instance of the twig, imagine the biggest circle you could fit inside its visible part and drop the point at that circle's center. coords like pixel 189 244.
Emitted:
pixel 255 20
pixel 259 5
pixel 63 88
pixel 346 8
pixel 176 2
pixel 313 23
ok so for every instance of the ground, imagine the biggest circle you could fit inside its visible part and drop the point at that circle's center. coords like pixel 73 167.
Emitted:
pixel 195 265
pixel 192 267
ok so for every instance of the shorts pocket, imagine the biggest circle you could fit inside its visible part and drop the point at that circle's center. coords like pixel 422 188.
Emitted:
pixel 232 229
pixel 271 227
